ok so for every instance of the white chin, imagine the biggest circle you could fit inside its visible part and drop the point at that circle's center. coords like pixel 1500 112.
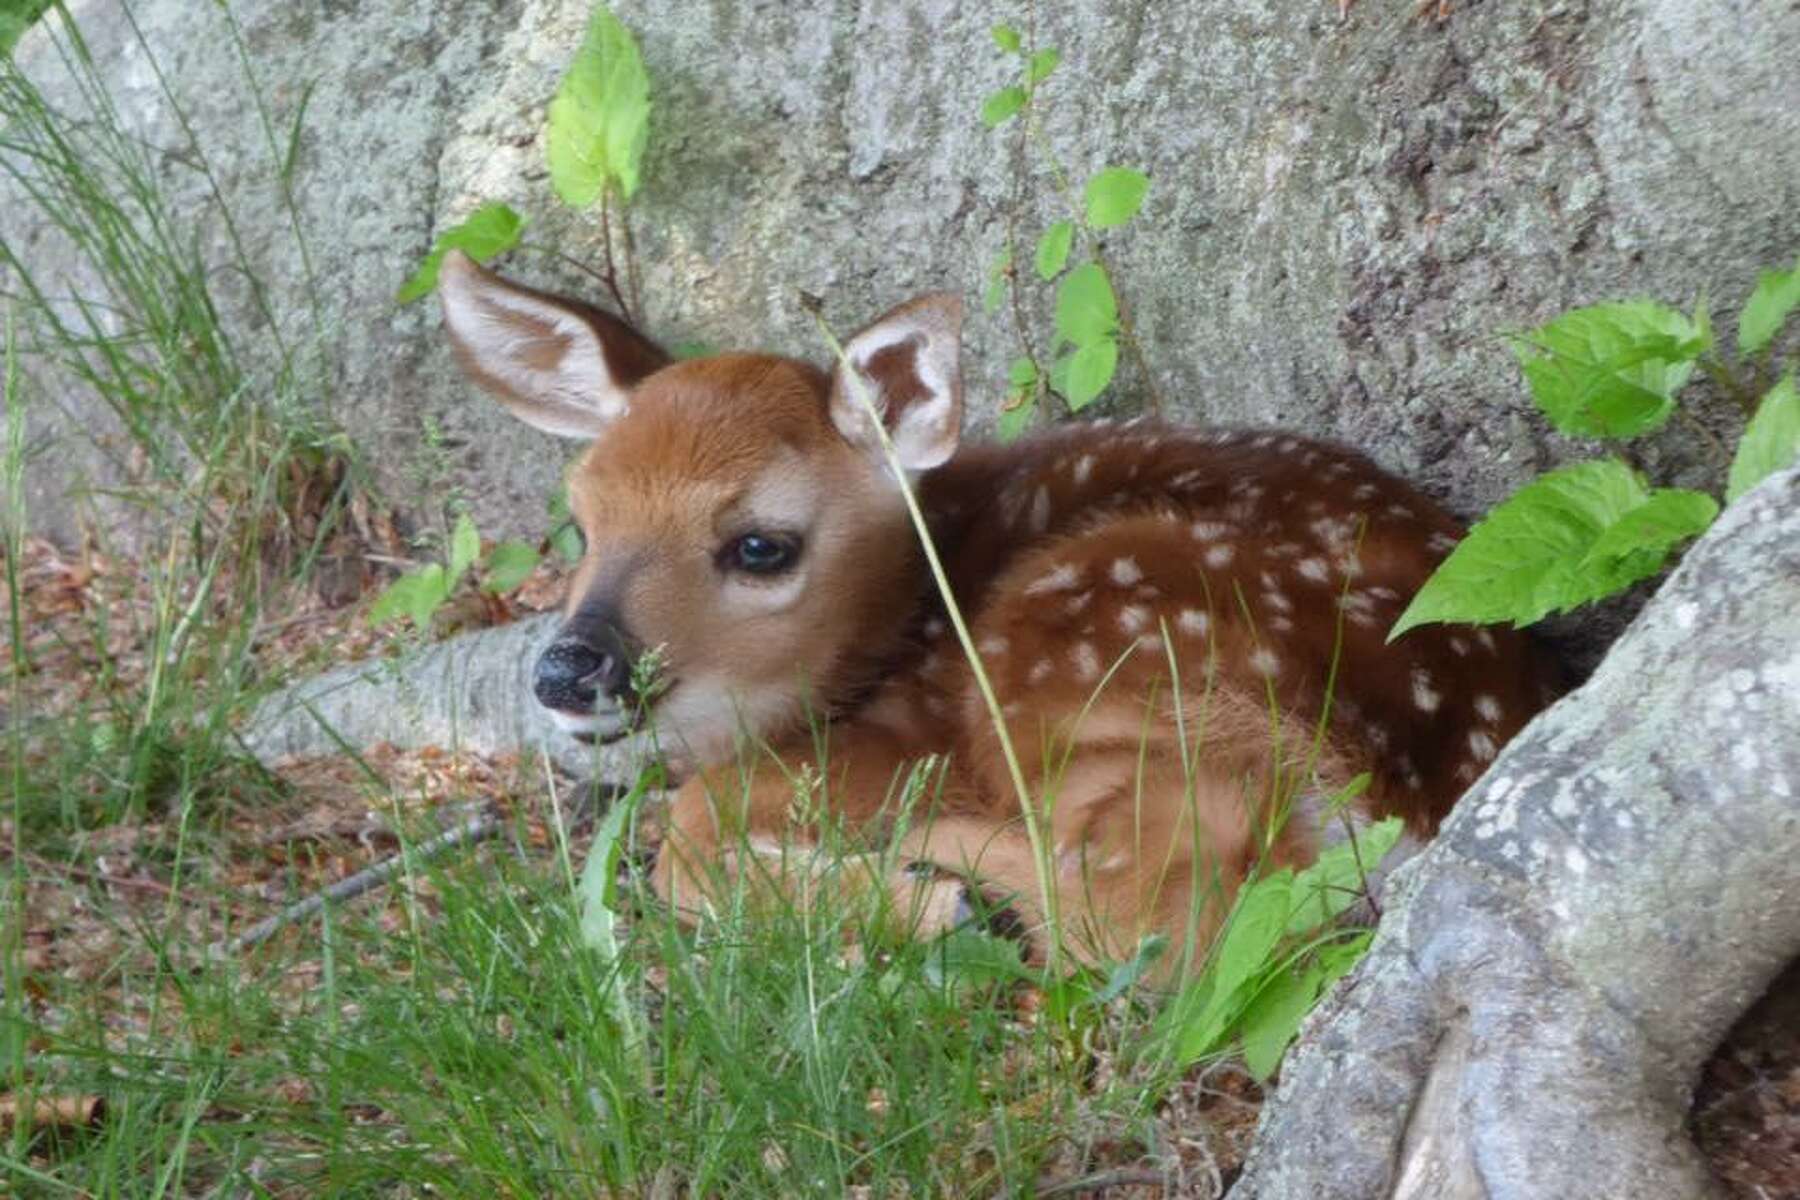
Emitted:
pixel 603 726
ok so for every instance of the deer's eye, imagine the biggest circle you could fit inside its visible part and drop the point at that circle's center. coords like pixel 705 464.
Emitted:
pixel 760 553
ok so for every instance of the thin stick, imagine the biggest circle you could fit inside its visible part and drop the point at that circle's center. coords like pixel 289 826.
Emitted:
pixel 1102 1181
pixel 473 830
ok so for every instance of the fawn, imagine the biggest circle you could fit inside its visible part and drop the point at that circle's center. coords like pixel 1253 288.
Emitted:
pixel 1161 611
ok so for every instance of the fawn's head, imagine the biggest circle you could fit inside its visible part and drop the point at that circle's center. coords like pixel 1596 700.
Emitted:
pixel 743 528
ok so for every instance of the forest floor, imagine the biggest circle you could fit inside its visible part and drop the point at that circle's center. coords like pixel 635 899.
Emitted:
pixel 421 1040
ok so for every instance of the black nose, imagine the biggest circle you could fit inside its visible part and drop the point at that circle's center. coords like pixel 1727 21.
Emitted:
pixel 571 674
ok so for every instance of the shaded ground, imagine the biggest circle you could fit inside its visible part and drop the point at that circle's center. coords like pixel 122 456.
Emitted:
pixel 320 820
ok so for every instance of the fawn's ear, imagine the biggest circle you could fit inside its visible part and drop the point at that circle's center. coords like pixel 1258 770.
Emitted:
pixel 910 363
pixel 558 365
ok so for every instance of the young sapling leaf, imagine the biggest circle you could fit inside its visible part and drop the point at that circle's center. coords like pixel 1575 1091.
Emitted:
pixel 1771 441
pixel 1053 249
pixel 1638 543
pixel 1775 296
pixel 1114 196
pixel 490 230
pixel 1091 368
pixel 1086 309
pixel 508 565
pixel 1611 370
pixel 599 120
pixel 465 548
pixel 1007 38
pixel 1039 66
pixel 1530 556
pixel 1002 105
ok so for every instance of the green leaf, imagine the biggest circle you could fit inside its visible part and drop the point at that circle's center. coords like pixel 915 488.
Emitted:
pixel 1637 544
pixel 1016 420
pixel 1053 249
pixel 1334 880
pixel 1611 370
pixel 1150 949
pixel 1002 105
pixel 396 600
pixel 489 230
pixel 1771 441
pixel 1204 1012
pixel 1022 373
pixel 1775 296
pixel 600 119
pixel 1086 309
pixel 509 564
pixel 995 295
pixel 1090 370
pixel 968 958
pixel 417 595
pixel 1007 38
pixel 465 548
pixel 1273 1017
pixel 1531 555
pixel 599 883
pixel 1039 66
pixel 1114 196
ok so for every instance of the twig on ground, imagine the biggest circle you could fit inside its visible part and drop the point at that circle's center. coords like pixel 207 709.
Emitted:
pixel 1101 1181
pixel 469 832
pixel 475 829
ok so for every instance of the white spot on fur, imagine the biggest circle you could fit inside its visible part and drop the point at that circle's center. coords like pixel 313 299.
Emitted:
pixel 1278 602
pixel 994 645
pixel 1264 663
pixel 1486 639
pixel 1399 510
pixel 1482 746
pixel 1084 468
pixel 1459 647
pixel 1040 671
pixel 1126 572
pixel 1078 602
pixel 1040 509
pixel 1193 622
pixel 1151 642
pixel 1210 531
pixel 1364 491
pixel 1442 543
pixel 934 628
pixel 1220 555
pixel 1424 694
pixel 1087 662
pixel 1133 618
pixel 1314 569
pixel 1061 579
pixel 1487 708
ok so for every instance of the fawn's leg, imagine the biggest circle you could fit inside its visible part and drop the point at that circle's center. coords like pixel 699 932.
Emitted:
pixel 754 826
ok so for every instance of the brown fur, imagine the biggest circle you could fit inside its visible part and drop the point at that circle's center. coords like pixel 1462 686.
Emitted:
pixel 1217 581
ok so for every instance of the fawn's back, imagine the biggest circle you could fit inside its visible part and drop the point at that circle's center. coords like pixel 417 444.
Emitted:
pixel 1184 629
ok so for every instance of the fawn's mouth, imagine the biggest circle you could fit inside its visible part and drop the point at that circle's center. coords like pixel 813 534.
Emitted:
pixel 595 728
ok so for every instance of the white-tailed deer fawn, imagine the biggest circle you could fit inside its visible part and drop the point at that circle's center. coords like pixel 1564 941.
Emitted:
pixel 1185 629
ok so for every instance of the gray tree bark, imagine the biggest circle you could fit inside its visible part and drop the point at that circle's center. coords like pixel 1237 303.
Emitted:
pixel 471 692
pixel 1598 911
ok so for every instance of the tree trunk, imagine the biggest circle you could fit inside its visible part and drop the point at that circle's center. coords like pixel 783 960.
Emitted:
pixel 471 692
pixel 1602 905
